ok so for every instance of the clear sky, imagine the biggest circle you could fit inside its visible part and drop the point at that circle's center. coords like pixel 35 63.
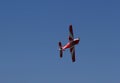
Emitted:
pixel 31 29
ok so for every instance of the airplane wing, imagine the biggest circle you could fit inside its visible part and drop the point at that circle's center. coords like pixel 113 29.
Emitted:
pixel 72 51
pixel 71 36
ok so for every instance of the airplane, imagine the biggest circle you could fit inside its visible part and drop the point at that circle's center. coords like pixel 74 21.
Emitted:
pixel 71 44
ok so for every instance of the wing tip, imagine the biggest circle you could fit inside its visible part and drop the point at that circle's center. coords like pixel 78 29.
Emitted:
pixel 70 27
pixel 73 58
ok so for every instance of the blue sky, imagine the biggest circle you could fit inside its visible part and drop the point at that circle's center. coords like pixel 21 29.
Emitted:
pixel 31 29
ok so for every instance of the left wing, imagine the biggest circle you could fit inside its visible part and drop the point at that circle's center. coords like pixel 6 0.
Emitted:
pixel 72 51
pixel 71 36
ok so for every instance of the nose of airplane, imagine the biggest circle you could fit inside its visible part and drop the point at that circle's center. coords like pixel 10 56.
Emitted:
pixel 78 40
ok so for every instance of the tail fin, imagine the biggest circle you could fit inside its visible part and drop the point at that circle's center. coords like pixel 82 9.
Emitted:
pixel 60 48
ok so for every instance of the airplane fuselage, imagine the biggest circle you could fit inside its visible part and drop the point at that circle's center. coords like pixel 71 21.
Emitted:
pixel 71 43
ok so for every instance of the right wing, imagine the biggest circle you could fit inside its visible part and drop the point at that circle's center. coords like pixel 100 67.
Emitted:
pixel 72 51
pixel 71 36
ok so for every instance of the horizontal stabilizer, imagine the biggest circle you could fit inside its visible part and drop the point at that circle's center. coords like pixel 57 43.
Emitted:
pixel 60 48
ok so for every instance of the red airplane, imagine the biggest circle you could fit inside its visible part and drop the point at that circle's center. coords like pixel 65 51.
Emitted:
pixel 71 44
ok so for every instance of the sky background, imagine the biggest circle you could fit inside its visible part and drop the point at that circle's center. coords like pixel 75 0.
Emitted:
pixel 31 29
